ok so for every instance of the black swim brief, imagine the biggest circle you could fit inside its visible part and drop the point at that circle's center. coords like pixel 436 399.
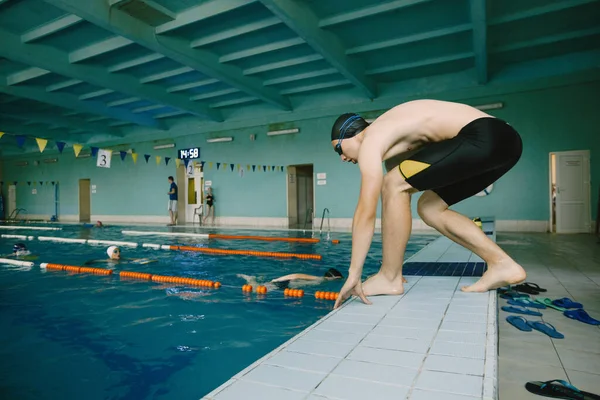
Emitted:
pixel 282 284
pixel 458 168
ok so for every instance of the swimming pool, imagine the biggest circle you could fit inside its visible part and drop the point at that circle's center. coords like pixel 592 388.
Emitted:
pixel 75 336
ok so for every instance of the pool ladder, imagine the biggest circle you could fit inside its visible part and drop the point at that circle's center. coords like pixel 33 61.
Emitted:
pixel 328 224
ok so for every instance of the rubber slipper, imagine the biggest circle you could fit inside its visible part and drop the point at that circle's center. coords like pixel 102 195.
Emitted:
pixel 546 328
pixel 565 302
pixel 563 391
pixel 548 303
pixel 518 322
pixel 521 310
pixel 525 289
pixel 511 294
pixel 581 315
pixel 525 302
pixel 534 286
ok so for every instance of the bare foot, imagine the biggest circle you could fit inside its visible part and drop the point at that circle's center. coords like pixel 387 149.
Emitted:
pixel 498 275
pixel 378 284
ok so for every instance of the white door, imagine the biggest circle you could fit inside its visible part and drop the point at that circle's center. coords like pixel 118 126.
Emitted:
pixel 12 200
pixel 573 212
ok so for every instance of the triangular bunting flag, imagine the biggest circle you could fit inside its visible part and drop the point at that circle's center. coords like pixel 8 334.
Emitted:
pixel 15 183
pixel 264 168
pixel 177 162
pixel 94 151
pixel 28 183
pixel 253 168
pixel 41 144
pixel 1 134
pixel 52 183
pixel 232 166
pixel 282 168
pixel 273 168
pixel 167 159
pixel 147 157
pixel 210 165
pixel 202 164
pixel 186 163
pixel 238 167
pixel 247 167
pixel 60 146
pixel 123 155
pixel 218 165
pixel 34 183
pixel 134 156
pixel 77 149
pixel 157 160
pixel 41 183
pixel 20 140
pixel 224 165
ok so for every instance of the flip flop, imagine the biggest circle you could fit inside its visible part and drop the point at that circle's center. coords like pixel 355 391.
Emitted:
pixel 548 303
pixel 525 289
pixel 546 328
pixel 518 322
pixel 565 302
pixel 533 286
pixel 563 391
pixel 521 310
pixel 581 315
pixel 525 302
pixel 511 294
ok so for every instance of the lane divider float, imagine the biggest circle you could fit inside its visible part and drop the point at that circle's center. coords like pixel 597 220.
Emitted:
pixel 38 228
pixel 233 237
pixel 22 237
pixel 144 233
pixel 208 250
pixel 16 262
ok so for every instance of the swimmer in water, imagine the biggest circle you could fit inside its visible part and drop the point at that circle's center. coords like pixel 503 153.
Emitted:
pixel 114 257
pixel 294 280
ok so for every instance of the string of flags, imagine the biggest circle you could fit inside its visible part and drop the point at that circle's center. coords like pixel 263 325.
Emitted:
pixel 104 157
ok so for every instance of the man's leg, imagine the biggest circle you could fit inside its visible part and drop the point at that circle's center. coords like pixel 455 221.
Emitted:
pixel 502 270
pixel 396 225
pixel 171 215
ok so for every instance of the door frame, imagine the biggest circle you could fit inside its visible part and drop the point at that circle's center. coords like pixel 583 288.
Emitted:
pixel 292 173
pixel 89 199
pixel 586 156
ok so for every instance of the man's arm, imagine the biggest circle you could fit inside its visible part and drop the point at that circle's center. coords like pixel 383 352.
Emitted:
pixel 296 276
pixel 363 224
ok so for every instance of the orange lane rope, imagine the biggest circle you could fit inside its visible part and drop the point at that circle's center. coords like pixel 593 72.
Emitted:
pixel 248 252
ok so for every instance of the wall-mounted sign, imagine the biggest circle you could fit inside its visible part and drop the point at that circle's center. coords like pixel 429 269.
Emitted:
pixel 188 154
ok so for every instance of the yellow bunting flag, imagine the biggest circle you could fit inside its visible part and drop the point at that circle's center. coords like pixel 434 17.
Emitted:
pixel 41 144
pixel 238 167
pixel 134 156
pixel 1 134
pixel 247 167
pixel 157 160
pixel 210 165
pixel 224 166
pixel 77 149
pixel 177 162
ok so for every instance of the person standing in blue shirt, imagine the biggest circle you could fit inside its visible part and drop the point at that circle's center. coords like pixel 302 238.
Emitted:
pixel 172 205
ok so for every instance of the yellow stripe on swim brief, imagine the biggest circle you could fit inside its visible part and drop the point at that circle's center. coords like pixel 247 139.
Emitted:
pixel 409 168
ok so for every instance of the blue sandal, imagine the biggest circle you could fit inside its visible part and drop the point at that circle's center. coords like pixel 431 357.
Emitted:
pixel 546 328
pixel 565 302
pixel 518 322
pixel 524 302
pixel 521 310
pixel 562 391
pixel 581 315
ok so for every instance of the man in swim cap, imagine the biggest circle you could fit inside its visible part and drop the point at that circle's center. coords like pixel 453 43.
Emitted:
pixel 450 152
pixel 295 280
pixel 114 253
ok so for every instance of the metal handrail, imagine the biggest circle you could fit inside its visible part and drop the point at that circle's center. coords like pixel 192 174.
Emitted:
pixel 328 223
pixel 309 212
pixel 16 212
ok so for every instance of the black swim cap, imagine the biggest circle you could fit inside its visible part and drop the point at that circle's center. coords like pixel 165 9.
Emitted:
pixel 348 125
pixel 333 273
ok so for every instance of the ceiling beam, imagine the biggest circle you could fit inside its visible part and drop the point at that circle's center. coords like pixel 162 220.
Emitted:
pixel 538 11
pixel 421 63
pixel 368 12
pixel 100 13
pixel 97 49
pixel 50 28
pixel 33 132
pixel 480 47
pixel 202 12
pixel 72 102
pixel 54 60
pixel 302 20
pixel 552 39
pixel 54 120
pixel 25 75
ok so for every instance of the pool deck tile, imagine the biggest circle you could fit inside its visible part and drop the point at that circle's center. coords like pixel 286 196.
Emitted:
pixel 432 342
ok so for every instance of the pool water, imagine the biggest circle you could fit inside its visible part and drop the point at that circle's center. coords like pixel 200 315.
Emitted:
pixel 80 336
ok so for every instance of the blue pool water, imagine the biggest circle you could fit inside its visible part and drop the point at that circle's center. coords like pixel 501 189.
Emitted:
pixel 79 336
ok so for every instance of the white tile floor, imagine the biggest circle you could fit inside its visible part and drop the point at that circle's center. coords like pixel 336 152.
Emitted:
pixel 432 343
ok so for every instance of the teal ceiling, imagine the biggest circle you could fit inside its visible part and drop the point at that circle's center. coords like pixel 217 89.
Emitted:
pixel 87 67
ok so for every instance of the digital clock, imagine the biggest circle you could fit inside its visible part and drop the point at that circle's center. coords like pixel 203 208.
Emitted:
pixel 189 154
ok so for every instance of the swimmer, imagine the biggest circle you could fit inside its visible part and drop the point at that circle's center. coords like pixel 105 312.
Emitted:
pixel 449 151
pixel 114 257
pixel 294 280
pixel 19 250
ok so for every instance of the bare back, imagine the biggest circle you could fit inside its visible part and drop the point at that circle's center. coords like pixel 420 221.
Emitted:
pixel 409 126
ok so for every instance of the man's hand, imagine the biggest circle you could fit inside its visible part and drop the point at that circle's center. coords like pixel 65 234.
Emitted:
pixel 353 286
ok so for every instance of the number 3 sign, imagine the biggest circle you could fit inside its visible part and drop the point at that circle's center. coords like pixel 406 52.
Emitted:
pixel 104 157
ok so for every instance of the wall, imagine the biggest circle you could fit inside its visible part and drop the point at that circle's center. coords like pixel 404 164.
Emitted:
pixel 555 119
